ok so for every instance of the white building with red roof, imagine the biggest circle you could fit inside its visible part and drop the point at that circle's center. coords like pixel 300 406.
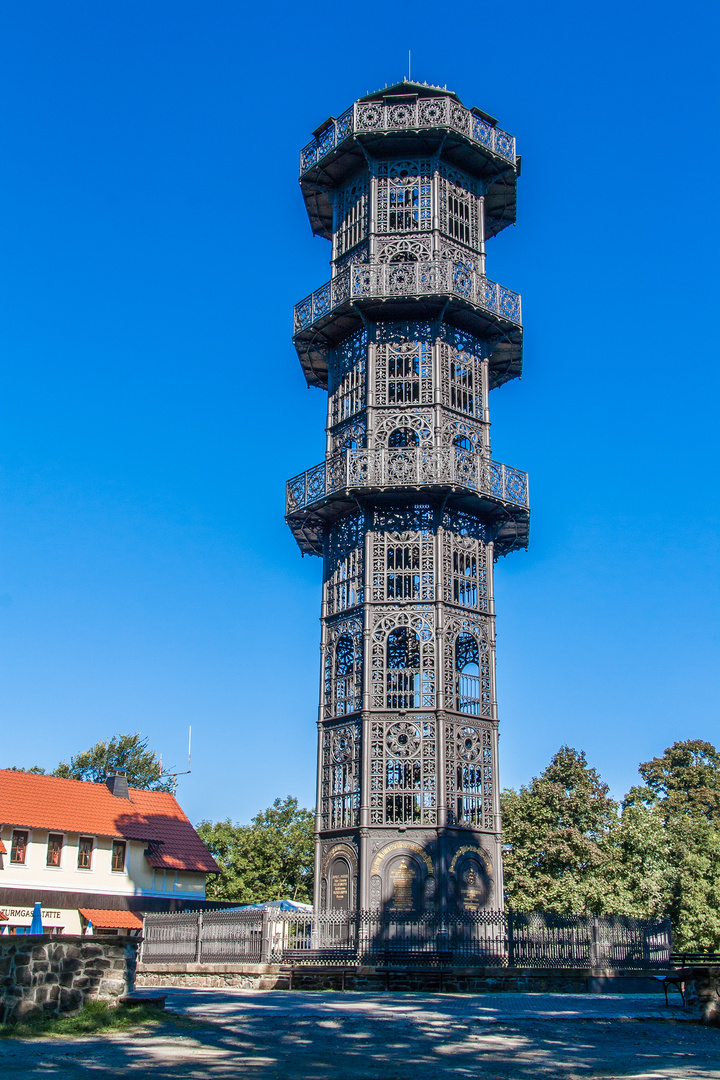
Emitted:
pixel 101 853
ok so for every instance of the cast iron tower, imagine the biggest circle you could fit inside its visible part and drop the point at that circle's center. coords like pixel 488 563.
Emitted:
pixel 408 510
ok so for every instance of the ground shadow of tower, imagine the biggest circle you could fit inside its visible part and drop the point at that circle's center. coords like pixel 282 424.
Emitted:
pixel 408 510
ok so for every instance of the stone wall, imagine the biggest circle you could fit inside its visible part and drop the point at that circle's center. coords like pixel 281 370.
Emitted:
pixel 702 988
pixel 373 979
pixel 50 974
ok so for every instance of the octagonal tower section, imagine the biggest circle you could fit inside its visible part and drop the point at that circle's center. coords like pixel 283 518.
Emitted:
pixel 408 510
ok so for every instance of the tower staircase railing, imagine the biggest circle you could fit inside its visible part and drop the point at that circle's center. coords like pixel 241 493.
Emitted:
pixel 432 277
pixel 409 467
pixel 375 116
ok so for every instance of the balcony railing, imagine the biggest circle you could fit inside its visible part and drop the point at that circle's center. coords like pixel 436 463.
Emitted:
pixel 412 467
pixel 435 277
pixel 441 112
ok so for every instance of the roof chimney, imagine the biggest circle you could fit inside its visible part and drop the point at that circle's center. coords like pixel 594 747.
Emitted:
pixel 117 784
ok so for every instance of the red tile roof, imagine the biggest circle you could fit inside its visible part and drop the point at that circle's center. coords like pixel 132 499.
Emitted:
pixel 77 806
pixel 110 920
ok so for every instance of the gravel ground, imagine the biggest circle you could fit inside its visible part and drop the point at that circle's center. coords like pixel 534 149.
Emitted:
pixel 318 1036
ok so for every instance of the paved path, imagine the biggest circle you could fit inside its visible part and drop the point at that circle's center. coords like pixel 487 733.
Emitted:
pixel 268 1035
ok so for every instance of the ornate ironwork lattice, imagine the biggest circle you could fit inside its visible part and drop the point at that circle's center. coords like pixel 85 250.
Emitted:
pixel 404 196
pixel 403 555
pixel 459 209
pixel 469 769
pixel 344 586
pixel 403 659
pixel 467 667
pixel 403 771
pixel 343 667
pixel 352 214
pixel 349 436
pixel 347 377
pixel 465 560
pixel 463 377
pixel 403 366
pixel 340 781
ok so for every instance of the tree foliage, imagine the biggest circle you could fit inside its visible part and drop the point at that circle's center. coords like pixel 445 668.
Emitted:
pixel 269 859
pixel 128 752
pixel 556 832
pixel 569 847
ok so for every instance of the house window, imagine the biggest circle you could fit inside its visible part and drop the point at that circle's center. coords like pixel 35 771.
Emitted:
pixel 85 851
pixel 118 855
pixel 54 849
pixel 18 849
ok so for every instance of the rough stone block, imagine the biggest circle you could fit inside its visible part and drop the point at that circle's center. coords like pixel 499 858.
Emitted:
pixel 101 964
pixel 24 1009
pixel 39 952
pixel 70 1000
pixel 111 988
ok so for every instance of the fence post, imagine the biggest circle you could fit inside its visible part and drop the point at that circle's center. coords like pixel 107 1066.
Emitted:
pixel 511 938
pixel 198 943
pixel 265 938
pixel 595 943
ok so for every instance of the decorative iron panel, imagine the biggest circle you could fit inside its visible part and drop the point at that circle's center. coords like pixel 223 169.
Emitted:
pixel 437 112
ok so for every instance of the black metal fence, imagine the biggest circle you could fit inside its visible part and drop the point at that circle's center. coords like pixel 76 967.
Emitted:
pixel 484 938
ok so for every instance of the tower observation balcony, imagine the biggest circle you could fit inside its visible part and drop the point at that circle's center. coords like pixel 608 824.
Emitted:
pixel 383 124
pixel 332 488
pixel 412 289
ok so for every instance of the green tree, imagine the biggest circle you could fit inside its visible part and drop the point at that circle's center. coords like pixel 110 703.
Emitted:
pixel 37 769
pixel 638 878
pixel 683 790
pixel 128 752
pixel 686 780
pixel 269 859
pixel 558 834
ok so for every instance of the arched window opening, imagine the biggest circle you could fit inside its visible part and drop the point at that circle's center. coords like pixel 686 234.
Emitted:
pixel 403 669
pixel 467 663
pixel 463 443
pixel 403 437
pixel 344 675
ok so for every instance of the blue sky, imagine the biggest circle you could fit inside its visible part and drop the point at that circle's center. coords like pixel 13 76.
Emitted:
pixel 153 242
